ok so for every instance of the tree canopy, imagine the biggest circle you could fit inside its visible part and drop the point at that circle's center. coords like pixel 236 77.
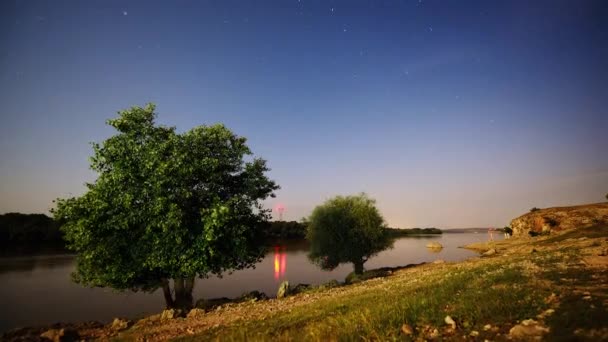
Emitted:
pixel 166 205
pixel 346 229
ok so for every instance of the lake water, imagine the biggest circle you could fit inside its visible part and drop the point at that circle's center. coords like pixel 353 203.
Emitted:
pixel 37 290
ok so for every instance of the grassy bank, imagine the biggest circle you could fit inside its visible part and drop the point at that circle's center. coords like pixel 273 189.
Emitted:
pixel 558 281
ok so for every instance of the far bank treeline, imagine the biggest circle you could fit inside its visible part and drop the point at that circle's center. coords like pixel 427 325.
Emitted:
pixel 41 230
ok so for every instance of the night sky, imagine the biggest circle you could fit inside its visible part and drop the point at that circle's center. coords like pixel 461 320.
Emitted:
pixel 449 113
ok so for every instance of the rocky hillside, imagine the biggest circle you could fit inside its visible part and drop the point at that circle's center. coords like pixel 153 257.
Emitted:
pixel 561 218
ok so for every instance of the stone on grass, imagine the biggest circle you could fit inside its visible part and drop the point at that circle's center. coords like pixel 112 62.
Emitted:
pixel 170 314
pixel 283 290
pixel 196 312
pixel 489 252
pixel 528 329
pixel 119 324
pixel 407 329
pixel 448 320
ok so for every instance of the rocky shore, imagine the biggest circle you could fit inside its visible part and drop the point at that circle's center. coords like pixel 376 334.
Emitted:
pixel 527 288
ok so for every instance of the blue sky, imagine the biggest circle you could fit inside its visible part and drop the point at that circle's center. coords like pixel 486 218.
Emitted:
pixel 449 113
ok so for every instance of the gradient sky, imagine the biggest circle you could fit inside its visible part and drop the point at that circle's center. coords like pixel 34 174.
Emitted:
pixel 449 113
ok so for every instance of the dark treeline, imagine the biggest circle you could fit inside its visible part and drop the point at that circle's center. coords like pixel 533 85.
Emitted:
pixel 18 229
pixel 413 231
pixel 286 230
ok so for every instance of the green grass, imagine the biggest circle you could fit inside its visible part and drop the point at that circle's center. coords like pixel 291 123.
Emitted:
pixel 522 281
pixel 484 295
pixel 591 232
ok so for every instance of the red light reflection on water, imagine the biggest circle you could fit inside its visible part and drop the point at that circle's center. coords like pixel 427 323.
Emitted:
pixel 280 262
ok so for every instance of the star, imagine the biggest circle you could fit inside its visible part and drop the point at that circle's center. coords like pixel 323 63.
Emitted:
pixel 124 13
pixel 430 29
pixel 332 10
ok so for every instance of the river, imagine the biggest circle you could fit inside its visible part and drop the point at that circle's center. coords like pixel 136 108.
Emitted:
pixel 37 290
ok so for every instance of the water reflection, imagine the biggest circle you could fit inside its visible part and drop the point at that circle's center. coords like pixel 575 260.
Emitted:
pixel 280 262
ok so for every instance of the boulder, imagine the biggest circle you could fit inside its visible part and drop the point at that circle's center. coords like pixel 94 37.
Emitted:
pixel 284 290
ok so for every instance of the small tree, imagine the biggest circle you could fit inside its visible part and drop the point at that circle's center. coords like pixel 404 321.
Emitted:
pixel 346 229
pixel 166 206
pixel 534 209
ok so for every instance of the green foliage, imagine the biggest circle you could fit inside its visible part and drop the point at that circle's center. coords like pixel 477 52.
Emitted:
pixel 166 205
pixel 534 209
pixel 346 229
pixel 20 229
pixel 286 230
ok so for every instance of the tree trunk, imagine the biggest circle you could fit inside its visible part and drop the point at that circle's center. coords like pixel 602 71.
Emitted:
pixel 359 267
pixel 167 293
pixel 182 293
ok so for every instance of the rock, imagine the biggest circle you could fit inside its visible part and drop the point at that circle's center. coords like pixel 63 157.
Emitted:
pixel 60 335
pixel 353 278
pixel 252 296
pixel 208 304
pixel 407 329
pixel 448 320
pixel 434 245
pixel 170 314
pixel 301 288
pixel 474 333
pixel 528 329
pixel 560 219
pixel 489 252
pixel 487 327
pixel 196 312
pixel 434 334
pixel 119 324
pixel 283 290
pixel 546 313
pixel 330 284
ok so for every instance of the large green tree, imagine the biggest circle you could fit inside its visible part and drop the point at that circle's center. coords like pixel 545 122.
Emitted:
pixel 166 206
pixel 346 229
